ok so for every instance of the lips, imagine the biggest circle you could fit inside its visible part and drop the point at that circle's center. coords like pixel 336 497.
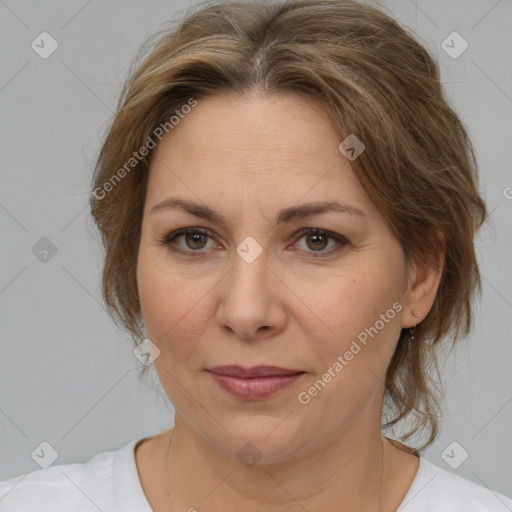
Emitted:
pixel 255 371
pixel 257 383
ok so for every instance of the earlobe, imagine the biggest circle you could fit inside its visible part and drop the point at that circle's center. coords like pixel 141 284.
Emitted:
pixel 415 315
pixel 424 283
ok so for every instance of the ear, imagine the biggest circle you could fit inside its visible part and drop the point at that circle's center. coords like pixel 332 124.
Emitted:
pixel 423 283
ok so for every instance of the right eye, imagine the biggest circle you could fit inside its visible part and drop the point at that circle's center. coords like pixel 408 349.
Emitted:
pixel 193 237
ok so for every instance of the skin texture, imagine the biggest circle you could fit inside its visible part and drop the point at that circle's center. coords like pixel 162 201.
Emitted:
pixel 291 307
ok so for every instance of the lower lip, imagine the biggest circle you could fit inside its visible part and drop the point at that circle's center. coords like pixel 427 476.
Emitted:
pixel 255 388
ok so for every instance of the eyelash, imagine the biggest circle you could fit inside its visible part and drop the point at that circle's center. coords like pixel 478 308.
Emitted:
pixel 170 240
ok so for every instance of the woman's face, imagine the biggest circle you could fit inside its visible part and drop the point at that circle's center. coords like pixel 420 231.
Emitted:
pixel 255 291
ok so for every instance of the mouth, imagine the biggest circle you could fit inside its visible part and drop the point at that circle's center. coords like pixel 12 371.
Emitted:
pixel 254 383
pixel 255 371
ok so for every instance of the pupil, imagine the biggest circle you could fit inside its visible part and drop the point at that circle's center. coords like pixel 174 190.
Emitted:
pixel 195 237
pixel 316 237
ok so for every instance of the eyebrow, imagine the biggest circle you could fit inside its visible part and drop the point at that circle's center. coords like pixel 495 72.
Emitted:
pixel 283 216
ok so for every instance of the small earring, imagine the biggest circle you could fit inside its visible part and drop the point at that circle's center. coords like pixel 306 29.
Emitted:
pixel 412 330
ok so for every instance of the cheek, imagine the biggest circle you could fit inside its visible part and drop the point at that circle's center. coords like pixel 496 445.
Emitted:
pixel 354 359
pixel 171 306
pixel 172 315
pixel 363 312
pixel 349 300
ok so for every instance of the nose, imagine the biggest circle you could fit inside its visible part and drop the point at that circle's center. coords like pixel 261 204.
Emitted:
pixel 251 299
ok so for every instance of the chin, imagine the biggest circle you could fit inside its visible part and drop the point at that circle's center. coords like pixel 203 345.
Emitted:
pixel 258 439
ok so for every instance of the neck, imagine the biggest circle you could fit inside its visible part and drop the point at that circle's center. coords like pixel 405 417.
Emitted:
pixel 345 474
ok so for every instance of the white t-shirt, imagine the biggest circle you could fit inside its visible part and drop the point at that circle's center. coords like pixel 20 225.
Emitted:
pixel 109 482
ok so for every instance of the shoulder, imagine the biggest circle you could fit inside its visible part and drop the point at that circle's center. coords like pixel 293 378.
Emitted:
pixel 435 488
pixel 77 486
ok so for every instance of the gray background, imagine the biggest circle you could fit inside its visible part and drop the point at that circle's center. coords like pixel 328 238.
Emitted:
pixel 68 375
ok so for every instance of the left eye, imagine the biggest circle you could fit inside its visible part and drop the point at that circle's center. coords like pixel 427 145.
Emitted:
pixel 320 239
pixel 196 239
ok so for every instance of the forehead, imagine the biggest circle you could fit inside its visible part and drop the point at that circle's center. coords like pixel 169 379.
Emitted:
pixel 278 148
pixel 252 133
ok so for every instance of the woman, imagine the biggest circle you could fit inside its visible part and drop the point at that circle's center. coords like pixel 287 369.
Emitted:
pixel 291 233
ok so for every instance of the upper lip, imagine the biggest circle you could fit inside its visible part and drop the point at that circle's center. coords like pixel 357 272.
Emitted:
pixel 255 371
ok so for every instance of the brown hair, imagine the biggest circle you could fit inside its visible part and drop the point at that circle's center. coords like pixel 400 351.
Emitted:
pixel 378 83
